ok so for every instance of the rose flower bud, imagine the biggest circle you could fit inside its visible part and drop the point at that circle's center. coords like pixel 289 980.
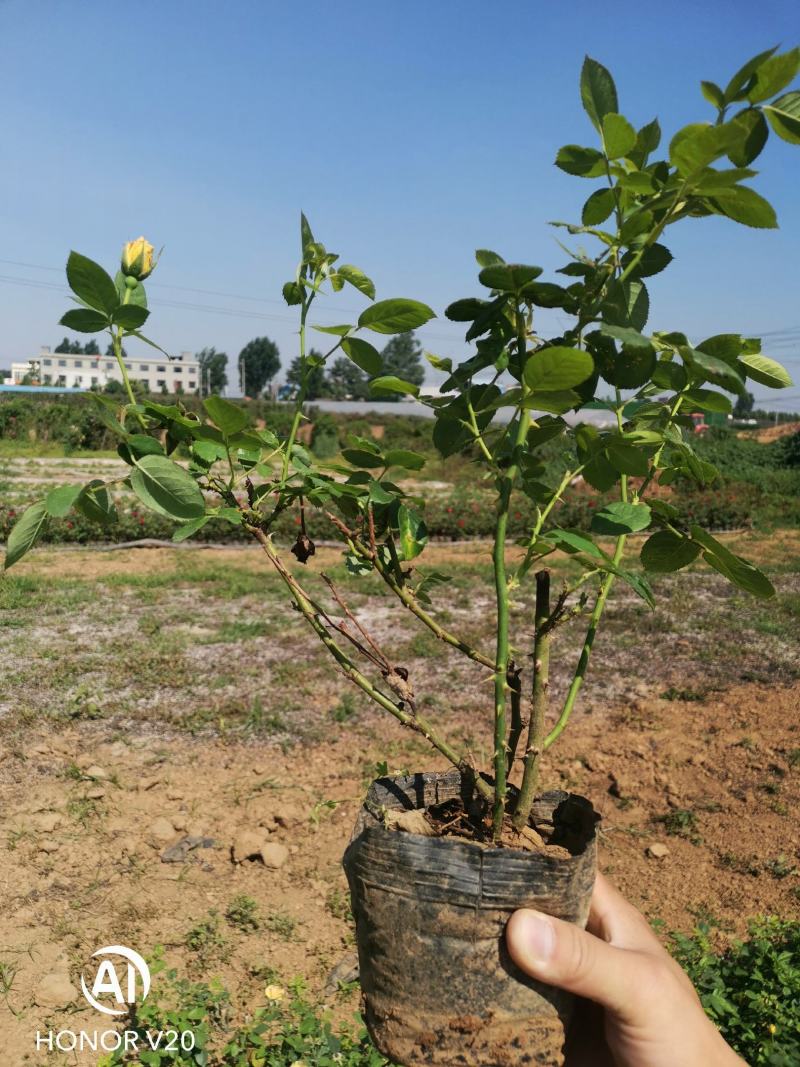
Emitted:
pixel 137 259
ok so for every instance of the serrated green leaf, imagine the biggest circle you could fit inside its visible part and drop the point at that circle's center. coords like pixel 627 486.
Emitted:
pixel 166 488
pixel 84 320
pixel 580 162
pixel 598 92
pixel 130 316
pixel 25 533
pixel 187 529
pixel 396 316
pixel 739 84
pixel 557 368
pixel 227 417
pixel 737 570
pixel 766 371
pixel 619 137
pixel 598 207
pixel 745 206
pixel 666 551
pixel 402 457
pixel 508 277
pixel 773 75
pixel 784 116
pixel 359 457
pixel 388 383
pixel 91 284
pixel 621 518
pixel 753 132
pixel 363 354
pixel 358 279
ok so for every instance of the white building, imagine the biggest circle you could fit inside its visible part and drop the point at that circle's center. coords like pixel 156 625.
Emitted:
pixel 181 374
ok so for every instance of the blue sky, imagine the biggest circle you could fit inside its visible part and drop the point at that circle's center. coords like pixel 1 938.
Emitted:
pixel 410 133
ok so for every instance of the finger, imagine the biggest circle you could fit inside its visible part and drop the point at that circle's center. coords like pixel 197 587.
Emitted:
pixel 562 954
pixel 617 921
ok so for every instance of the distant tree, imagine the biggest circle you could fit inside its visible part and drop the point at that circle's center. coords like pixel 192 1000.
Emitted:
pixel 91 349
pixel 110 352
pixel 260 360
pixel 402 357
pixel 317 384
pixel 347 381
pixel 743 406
pixel 213 364
pixel 64 346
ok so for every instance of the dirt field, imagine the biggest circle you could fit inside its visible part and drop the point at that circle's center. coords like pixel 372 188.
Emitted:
pixel 147 696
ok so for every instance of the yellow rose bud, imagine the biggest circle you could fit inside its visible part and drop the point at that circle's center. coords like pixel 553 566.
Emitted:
pixel 274 992
pixel 137 259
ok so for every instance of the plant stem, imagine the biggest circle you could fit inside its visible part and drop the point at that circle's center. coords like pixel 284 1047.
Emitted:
pixel 407 598
pixel 501 593
pixel 541 686
pixel 409 719
pixel 301 396
pixel 586 651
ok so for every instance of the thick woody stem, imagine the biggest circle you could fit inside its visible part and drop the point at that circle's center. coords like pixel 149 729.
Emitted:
pixel 541 684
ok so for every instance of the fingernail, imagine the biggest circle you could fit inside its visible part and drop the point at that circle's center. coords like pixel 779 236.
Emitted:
pixel 538 935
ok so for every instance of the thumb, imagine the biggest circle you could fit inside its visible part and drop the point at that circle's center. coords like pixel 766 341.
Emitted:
pixel 562 954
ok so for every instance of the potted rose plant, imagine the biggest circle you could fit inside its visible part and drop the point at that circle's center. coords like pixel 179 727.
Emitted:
pixel 439 860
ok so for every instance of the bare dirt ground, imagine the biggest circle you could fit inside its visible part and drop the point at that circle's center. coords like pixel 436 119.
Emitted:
pixel 147 696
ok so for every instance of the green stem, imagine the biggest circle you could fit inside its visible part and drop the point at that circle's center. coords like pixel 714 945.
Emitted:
pixel 541 686
pixel 501 594
pixel 301 395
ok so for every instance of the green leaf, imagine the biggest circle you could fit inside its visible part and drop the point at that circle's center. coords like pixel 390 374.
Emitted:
pixel 627 335
pixel 666 551
pixel 358 279
pixel 627 304
pixel 698 144
pixel 713 369
pixel 709 400
pixel 574 541
pixel 638 584
pixel 557 368
pixel 581 162
pixel 620 518
pixel 130 316
pixel 784 116
pixel 166 488
pixel 227 417
pixel 401 457
pixel 619 137
pixel 91 284
pixel 626 458
pixel 712 92
pixel 137 445
pixel 95 503
pixel 413 532
pixel 647 140
pixel 598 92
pixel 25 533
pixel 508 277
pixel 84 321
pixel 208 452
pixel 556 401
pixel 306 236
pixel 773 75
pixel 396 316
pixel 737 570
pixel 746 206
pixel 486 258
pixel 739 84
pixel 186 529
pixel 753 132
pixel 598 207
pixel 653 260
pixel 363 354
pixel 724 346
pixel 359 457
pixel 337 331
pixel 669 376
pixel 106 412
pixel 388 383
pixel 766 371
pixel 136 296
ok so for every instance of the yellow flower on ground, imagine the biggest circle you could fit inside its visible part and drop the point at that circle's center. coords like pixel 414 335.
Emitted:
pixel 137 259
pixel 274 992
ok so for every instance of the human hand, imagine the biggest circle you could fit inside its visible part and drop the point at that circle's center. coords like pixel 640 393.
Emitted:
pixel 645 1011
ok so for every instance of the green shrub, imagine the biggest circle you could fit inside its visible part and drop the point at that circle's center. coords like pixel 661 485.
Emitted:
pixel 751 990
